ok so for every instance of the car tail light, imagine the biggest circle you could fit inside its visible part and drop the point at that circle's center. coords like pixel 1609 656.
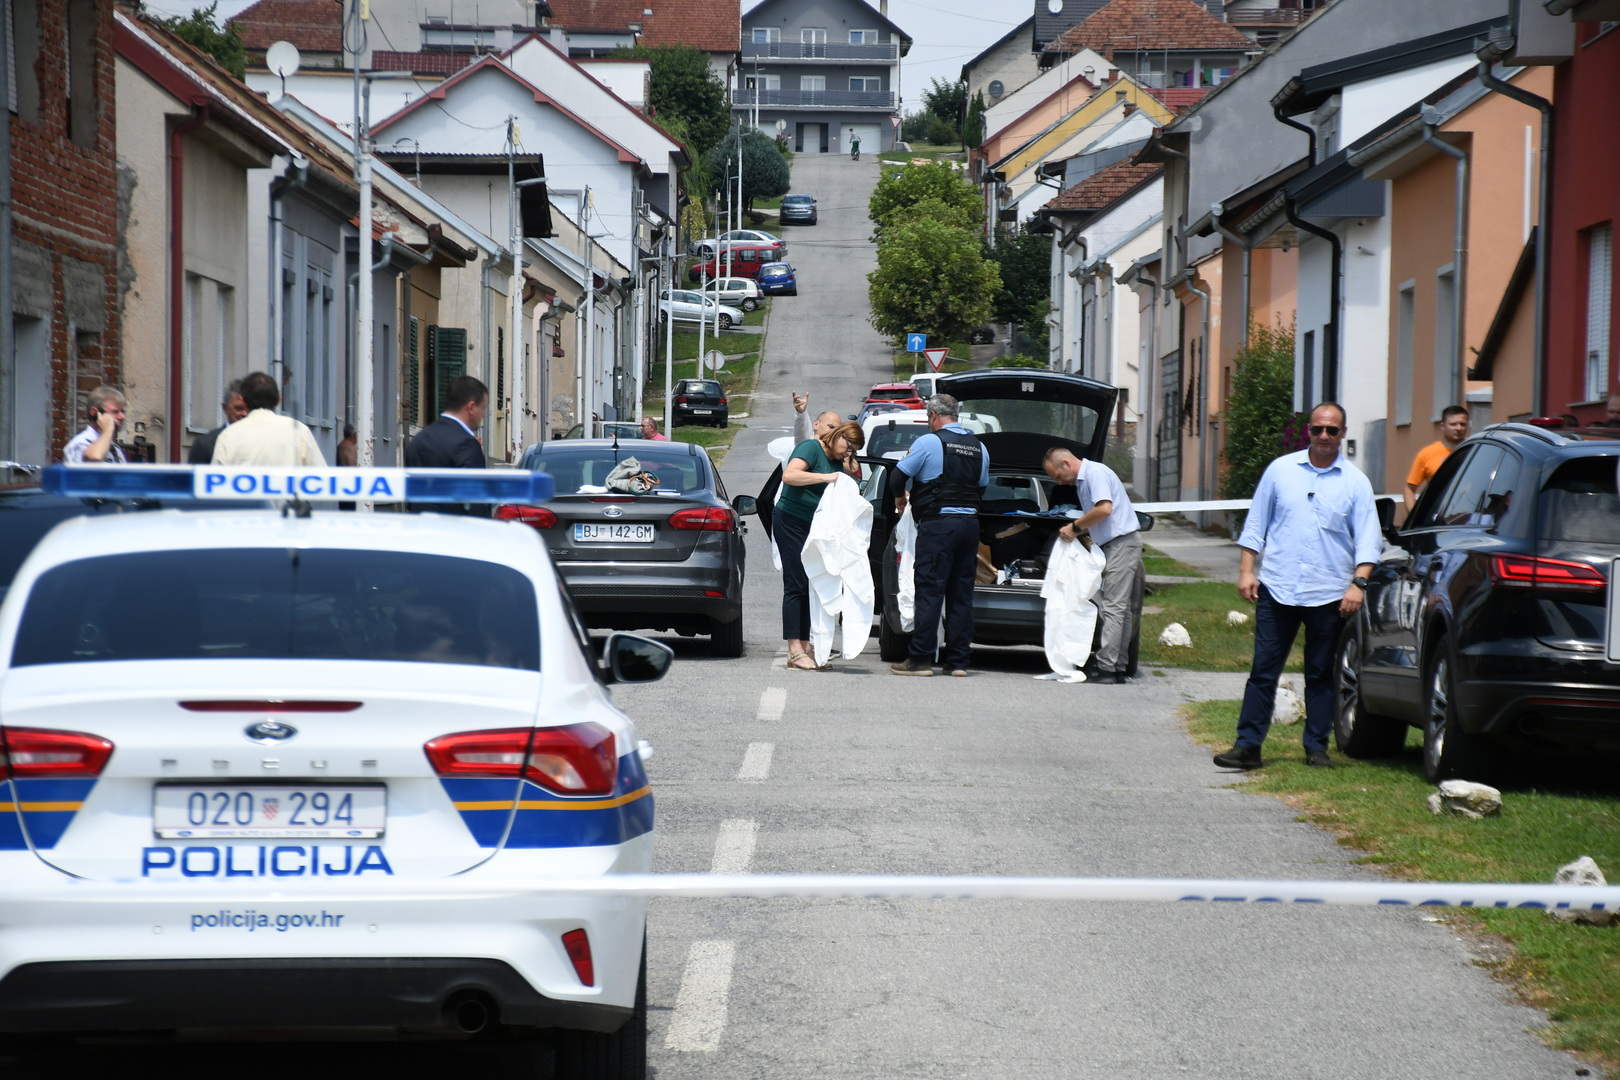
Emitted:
pixel 722 399
pixel 33 753
pixel 578 944
pixel 680 399
pixel 579 759
pixel 709 518
pixel 538 516
pixel 1526 572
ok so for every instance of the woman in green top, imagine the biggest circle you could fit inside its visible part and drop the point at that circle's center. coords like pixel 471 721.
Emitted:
pixel 815 464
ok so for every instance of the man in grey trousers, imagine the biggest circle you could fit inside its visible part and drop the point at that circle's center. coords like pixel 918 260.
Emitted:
pixel 1107 513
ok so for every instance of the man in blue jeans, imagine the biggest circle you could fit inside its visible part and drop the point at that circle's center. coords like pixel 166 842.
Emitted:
pixel 949 470
pixel 1313 514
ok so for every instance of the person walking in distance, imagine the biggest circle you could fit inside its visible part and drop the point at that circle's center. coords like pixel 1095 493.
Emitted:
pixel 1313 514
pixel 947 470
pixel 1107 513
pixel 1453 430
pixel 96 443
pixel 263 437
pixel 815 464
pixel 202 448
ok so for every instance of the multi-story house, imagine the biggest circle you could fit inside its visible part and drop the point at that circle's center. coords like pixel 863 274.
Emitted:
pixel 822 72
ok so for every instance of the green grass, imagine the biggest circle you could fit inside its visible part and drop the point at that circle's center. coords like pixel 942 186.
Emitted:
pixel 738 379
pixel 757 316
pixel 1201 607
pixel 921 150
pixel 1377 807
pixel 1155 561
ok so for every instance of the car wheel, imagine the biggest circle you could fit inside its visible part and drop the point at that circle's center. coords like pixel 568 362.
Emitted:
pixel 725 423
pixel 893 645
pixel 727 639
pixel 590 1055
pixel 1358 732
pixel 750 304
pixel 1448 751
pixel 725 322
pixel 793 292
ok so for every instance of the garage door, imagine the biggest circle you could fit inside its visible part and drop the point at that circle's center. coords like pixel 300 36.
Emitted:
pixel 871 137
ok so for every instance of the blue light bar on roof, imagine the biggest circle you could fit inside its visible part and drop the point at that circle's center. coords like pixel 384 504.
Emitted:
pixel 234 482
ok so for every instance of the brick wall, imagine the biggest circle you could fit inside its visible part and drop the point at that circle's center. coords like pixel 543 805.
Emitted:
pixel 65 204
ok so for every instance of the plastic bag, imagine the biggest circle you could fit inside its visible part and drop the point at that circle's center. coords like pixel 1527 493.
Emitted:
pixel 629 477
pixel 905 543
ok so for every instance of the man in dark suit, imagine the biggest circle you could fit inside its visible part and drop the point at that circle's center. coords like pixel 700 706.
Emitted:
pixel 451 442
pixel 202 448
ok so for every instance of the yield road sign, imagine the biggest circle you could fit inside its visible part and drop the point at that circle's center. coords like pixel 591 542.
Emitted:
pixel 894 121
pixel 936 357
pixel 916 342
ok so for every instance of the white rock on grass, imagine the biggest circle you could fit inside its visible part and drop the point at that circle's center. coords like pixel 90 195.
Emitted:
pixel 1175 636
pixel 1467 798
pixel 1583 871
pixel 1236 618
pixel 1289 709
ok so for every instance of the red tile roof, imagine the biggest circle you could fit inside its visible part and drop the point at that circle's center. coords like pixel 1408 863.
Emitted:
pixel 1103 189
pixel 710 25
pixel 1131 25
pixel 420 63
pixel 1178 98
pixel 312 25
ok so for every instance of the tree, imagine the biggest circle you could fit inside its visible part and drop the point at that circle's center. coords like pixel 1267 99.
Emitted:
pixel 765 171
pixel 1259 408
pixel 201 30
pixel 681 84
pixel 946 100
pixel 902 188
pixel 931 278
pixel 934 210
pixel 973 127
pixel 1025 261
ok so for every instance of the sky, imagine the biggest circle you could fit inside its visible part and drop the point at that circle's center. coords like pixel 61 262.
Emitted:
pixel 944 33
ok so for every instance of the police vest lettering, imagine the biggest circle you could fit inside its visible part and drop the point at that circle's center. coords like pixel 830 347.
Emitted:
pixel 957 484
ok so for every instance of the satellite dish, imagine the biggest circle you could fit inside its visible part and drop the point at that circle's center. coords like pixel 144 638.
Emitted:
pixel 996 88
pixel 1054 6
pixel 282 58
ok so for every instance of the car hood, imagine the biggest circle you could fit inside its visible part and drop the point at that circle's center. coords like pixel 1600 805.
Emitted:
pixel 1026 412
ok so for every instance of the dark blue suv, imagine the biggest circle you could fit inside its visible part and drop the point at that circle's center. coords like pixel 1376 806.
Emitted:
pixel 1487 623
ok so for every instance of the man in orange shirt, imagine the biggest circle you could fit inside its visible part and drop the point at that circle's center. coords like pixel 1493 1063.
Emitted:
pixel 1453 430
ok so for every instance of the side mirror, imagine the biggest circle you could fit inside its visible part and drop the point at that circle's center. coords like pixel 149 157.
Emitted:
pixel 1386 520
pixel 745 505
pixel 851 416
pixel 1144 522
pixel 628 658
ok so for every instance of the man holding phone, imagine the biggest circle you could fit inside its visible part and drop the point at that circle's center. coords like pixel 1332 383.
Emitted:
pixel 95 443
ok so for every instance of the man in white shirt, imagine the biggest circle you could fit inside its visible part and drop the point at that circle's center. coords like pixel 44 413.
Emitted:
pixel 263 437
pixel 1107 513
pixel 95 443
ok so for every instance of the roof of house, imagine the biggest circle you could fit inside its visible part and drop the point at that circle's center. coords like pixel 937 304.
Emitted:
pixel 1105 188
pixel 1180 97
pixel 1050 25
pixel 433 62
pixel 312 25
pixel 1139 25
pixel 710 25
pixel 1315 84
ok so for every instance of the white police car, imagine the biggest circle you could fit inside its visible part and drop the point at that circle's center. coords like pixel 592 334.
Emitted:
pixel 239 748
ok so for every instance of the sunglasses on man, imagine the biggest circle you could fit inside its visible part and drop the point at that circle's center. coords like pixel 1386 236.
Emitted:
pixel 1330 429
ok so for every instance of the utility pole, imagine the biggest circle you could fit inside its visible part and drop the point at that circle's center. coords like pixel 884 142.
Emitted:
pixel 364 435
pixel 590 304
pixel 666 272
pixel 514 424
pixel 8 346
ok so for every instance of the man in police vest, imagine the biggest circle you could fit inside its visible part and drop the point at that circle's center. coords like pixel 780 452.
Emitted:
pixel 948 471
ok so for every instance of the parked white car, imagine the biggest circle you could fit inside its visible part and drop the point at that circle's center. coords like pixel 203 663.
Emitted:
pixel 734 291
pixel 691 306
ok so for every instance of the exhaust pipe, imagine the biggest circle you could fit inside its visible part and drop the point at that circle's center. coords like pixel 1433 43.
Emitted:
pixel 472 1016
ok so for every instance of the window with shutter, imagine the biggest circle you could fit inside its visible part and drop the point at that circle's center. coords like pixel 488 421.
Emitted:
pixel 500 363
pixel 1599 288
pixel 430 373
pixel 413 372
pixel 450 362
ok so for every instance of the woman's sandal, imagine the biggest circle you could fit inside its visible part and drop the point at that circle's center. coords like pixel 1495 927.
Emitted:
pixel 795 657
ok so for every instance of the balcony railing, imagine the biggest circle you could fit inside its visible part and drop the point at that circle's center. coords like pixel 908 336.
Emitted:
pixel 885 52
pixel 818 99
pixel 1267 16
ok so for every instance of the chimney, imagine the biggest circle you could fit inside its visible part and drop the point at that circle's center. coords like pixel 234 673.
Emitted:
pixel 1113 75
pixel 883 8
pixel 1129 108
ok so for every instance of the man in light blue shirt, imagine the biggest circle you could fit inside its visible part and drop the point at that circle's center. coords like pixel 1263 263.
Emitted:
pixel 1313 514
pixel 1107 514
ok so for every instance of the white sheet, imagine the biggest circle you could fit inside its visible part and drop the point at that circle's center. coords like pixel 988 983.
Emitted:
pixel 1073 579
pixel 836 562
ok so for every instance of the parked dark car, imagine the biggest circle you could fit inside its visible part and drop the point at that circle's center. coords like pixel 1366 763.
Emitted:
pixel 797 210
pixel 670 559
pixel 778 279
pixel 1486 622
pixel 1024 414
pixel 701 401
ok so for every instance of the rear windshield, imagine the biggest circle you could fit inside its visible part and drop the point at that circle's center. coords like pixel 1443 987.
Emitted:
pixel 589 470
pixel 896 440
pixel 773 271
pixel 1076 423
pixel 795 200
pixel 1579 502
pixel 882 393
pixel 694 386
pixel 281 604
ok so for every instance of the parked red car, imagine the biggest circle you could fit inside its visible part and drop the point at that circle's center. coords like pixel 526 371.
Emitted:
pixel 740 260
pixel 902 393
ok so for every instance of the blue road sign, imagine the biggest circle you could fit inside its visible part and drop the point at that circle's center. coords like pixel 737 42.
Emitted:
pixel 916 342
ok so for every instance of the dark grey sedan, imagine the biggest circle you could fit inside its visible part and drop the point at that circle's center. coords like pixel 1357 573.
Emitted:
pixel 797 210
pixel 657 546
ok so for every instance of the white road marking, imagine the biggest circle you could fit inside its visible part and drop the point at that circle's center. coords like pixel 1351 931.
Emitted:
pixel 773 702
pixel 756 763
pixel 734 850
pixel 779 663
pixel 700 1009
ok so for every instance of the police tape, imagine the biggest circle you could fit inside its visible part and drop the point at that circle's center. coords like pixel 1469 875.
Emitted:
pixel 867 887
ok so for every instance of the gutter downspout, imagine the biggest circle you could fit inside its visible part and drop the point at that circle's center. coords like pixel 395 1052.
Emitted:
pixel 1203 396
pixel 295 178
pixel 1431 119
pixel 8 349
pixel 1330 347
pixel 1215 211
pixel 177 271
pixel 1543 212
